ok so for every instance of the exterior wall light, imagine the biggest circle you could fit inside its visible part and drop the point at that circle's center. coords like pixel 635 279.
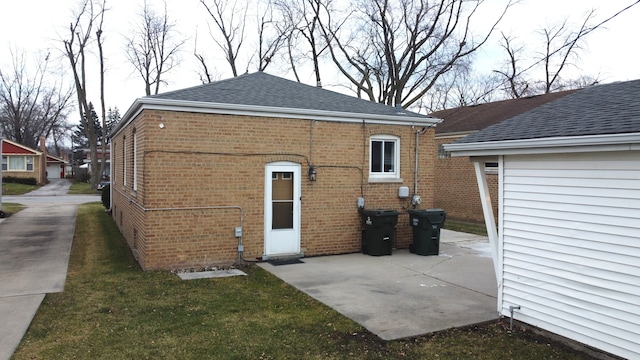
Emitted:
pixel 312 173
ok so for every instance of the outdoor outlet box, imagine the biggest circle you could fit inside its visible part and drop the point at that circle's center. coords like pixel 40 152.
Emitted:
pixel 403 192
pixel 361 202
pixel 238 231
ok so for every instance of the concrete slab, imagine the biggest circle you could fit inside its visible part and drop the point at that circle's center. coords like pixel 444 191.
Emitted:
pixel 34 250
pixel 404 294
pixel 34 254
pixel 211 274
pixel 17 313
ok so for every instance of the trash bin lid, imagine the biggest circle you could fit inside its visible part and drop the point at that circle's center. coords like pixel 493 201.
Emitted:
pixel 379 212
pixel 434 216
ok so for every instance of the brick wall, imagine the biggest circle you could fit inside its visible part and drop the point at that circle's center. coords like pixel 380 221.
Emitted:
pixel 197 163
pixel 456 187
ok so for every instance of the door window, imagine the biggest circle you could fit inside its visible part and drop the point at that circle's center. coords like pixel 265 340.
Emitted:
pixel 282 200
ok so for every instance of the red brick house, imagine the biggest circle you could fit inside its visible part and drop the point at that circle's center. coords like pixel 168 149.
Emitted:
pixel 23 162
pixel 456 190
pixel 259 167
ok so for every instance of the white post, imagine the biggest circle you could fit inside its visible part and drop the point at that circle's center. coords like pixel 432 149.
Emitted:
pixel 487 209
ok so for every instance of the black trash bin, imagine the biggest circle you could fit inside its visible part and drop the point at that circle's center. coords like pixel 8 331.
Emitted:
pixel 379 231
pixel 426 226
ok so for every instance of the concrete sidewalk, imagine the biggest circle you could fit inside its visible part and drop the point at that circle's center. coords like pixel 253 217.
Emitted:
pixel 404 294
pixel 35 246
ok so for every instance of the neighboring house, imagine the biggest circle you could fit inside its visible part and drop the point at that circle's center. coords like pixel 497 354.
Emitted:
pixel 87 161
pixel 567 245
pixel 455 184
pixel 260 167
pixel 23 162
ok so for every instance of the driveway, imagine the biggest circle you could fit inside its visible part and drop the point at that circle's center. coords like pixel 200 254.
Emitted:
pixel 404 294
pixel 34 253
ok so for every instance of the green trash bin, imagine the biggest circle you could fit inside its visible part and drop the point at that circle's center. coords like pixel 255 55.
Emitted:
pixel 426 226
pixel 379 231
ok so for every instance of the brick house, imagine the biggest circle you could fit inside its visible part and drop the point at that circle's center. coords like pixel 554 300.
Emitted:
pixel 456 190
pixel 259 167
pixel 23 162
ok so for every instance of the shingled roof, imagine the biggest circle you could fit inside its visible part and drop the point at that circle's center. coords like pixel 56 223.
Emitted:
pixel 597 110
pixel 478 117
pixel 262 89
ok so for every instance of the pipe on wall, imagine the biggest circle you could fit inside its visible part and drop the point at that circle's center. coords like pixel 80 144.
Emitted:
pixel 212 207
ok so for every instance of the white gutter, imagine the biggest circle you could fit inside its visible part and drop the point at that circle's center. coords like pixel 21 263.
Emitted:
pixel 564 144
pixel 268 111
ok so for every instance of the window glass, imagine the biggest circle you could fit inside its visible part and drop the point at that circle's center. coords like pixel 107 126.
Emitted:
pixel 376 156
pixel 29 163
pixel 442 153
pixel 4 163
pixel 16 163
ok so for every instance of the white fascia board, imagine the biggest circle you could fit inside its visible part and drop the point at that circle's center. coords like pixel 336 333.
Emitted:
pixel 568 144
pixel 253 110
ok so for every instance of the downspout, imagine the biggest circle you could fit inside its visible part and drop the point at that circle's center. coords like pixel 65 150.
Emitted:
pixel 415 170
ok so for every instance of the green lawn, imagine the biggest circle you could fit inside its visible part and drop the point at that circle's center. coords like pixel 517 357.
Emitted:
pixel 83 188
pixel 110 309
pixel 12 208
pixel 467 227
pixel 17 189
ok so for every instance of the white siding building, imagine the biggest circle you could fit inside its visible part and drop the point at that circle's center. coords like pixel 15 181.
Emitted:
pixel 567 243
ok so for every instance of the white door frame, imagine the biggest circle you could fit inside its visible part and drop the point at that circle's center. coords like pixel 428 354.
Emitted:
pixel 281 242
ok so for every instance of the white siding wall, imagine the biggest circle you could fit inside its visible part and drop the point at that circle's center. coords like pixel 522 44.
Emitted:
pixel 570 231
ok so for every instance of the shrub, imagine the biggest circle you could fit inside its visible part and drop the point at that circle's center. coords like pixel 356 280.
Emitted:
pixel 19 180
pixel 83 176
pixel 106 196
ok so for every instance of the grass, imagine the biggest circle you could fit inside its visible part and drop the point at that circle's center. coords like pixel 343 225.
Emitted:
pixel 17 189
pixel 467 227
pixel 12 208
pixel 82 188
pixel 110 309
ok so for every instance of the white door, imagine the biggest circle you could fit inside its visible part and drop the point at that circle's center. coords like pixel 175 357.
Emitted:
pixel 282 209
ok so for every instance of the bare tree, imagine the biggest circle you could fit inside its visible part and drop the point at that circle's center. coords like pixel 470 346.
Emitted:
pixel 394 51
pixel 31 105
pixel 230 26
pixel 515 85
pixel 561 47
pixel 206 76
pixel 304 39
pixel 76 48
pixel 152 47
pixel 272 33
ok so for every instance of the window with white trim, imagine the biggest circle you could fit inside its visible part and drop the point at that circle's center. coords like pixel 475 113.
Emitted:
pixel 384 157
pixel 135 160
pixel 17 163
pixel 124 161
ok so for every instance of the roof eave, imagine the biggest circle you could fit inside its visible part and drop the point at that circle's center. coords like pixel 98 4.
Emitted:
pixel 253 110
pixel 607 142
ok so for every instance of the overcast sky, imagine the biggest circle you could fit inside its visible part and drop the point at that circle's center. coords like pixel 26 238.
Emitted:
pixel 611 54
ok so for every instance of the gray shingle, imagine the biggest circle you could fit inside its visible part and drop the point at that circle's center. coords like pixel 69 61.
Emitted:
pixel 597 110
pixel 261 89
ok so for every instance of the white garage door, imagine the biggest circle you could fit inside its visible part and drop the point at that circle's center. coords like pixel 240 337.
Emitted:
pixel 53 171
